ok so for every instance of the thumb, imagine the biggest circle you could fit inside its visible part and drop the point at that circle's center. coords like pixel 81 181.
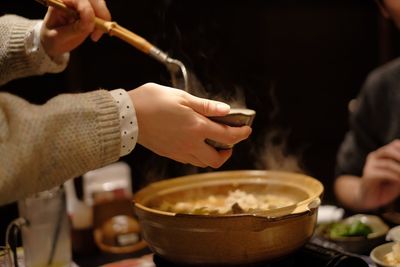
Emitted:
pixel 208 107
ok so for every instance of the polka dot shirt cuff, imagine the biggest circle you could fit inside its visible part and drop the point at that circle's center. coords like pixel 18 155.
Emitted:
pixel 129 126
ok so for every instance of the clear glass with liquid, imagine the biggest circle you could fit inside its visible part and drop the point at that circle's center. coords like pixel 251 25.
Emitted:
pixel 46 235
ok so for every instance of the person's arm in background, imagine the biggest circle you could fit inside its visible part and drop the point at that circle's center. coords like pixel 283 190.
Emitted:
pixel 368 160
pixel 379 184
pixel 42 146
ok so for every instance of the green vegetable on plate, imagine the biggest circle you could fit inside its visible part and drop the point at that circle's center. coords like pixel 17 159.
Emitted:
pixel 356 228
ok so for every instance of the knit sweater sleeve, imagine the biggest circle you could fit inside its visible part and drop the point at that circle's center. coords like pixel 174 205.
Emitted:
pixel 42 146
pixel 16 61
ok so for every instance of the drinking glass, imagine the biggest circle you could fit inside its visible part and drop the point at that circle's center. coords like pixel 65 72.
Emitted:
pixel 45 229
pixel 5 257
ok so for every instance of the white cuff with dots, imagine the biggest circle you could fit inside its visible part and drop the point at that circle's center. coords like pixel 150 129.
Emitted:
pixel 127 115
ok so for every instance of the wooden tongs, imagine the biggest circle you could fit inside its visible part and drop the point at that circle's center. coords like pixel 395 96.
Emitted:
pixel 175 67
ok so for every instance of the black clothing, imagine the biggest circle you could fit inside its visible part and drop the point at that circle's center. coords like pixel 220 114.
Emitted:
pixel 375 121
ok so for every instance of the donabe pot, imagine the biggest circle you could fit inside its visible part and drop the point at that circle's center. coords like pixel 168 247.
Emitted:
pixel 234 239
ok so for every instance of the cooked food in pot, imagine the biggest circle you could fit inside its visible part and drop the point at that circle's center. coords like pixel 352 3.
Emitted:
pixel 235 202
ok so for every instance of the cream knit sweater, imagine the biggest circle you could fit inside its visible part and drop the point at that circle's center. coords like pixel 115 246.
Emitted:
pixel 43 146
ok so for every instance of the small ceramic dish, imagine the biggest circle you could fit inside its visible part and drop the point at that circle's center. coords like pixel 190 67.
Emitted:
pixel 383 255
pixel 357 244
pixel 394 234
pixel 237 117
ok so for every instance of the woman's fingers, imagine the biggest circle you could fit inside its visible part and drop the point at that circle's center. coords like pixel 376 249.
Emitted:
pixel 85 23
pixel 101 11
pixel 391 151
pixel 227 135
pixel 389 165
pixel 207 107
pixel 211 157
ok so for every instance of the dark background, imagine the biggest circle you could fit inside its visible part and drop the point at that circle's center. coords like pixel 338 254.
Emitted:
pixel 297 63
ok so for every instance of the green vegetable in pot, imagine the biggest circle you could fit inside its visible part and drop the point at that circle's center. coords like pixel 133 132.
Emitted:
pixel 356 228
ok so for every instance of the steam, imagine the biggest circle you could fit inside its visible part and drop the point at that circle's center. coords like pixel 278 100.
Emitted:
pixel 274 156
pixel 235 98
pixel 273 153
pixel 159 168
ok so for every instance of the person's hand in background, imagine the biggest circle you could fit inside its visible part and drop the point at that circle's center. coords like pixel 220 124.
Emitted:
pixel 380 183
pixel 61 33
pixel 174 124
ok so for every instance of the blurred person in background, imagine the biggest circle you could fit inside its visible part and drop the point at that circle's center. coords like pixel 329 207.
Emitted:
pixel 42 146
pixel 368 161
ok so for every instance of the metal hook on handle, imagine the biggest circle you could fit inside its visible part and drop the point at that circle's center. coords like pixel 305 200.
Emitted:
pixel 176 68
pixel 178 74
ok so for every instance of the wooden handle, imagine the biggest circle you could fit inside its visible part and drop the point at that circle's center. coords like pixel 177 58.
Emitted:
pixel 109 27
pixel 60 5
pixel 113 29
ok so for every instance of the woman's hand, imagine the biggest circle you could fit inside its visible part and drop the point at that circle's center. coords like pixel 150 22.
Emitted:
pixel 174 124
pixel 62 33
pixel 380 183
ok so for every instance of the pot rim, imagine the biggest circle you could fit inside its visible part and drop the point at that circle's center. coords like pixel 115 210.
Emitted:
pixel 304 207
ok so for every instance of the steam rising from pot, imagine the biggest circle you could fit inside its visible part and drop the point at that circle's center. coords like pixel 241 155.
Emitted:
pixel 234 96
pixel 273 153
